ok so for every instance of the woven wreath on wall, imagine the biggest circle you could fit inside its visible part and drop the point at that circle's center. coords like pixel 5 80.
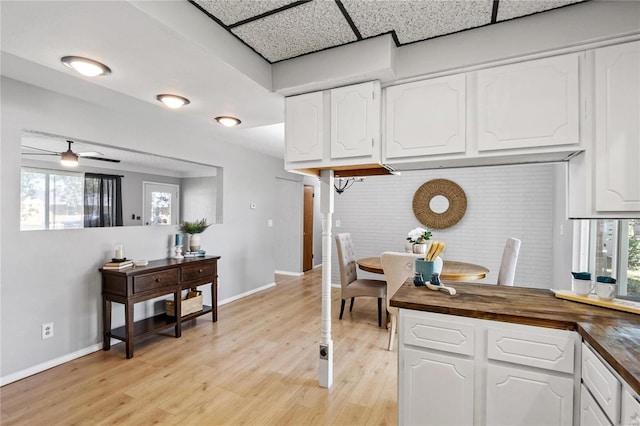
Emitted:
pixel 439 203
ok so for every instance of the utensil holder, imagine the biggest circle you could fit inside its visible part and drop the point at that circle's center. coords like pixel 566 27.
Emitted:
pixel 425 267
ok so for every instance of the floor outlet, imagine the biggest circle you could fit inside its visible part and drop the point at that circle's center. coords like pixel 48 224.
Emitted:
pixel 47 330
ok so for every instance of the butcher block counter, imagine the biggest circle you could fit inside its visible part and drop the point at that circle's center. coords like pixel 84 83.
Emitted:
pixel 614 335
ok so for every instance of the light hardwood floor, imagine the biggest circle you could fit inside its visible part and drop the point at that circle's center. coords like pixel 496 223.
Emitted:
pixel 257 365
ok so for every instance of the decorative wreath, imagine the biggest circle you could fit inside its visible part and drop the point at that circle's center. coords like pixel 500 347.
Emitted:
pixel 448 189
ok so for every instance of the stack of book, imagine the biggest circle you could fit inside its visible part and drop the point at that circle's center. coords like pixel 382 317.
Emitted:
pixel 118 265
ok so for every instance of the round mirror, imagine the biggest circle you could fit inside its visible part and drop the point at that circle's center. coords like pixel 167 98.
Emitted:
pixel 439 203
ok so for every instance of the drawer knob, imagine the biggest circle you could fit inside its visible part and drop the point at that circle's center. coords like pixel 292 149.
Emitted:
pixel 157 280
pixel 200 271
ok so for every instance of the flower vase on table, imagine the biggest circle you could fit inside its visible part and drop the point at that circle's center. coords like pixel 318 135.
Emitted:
pixel 418 238
pixel 194 229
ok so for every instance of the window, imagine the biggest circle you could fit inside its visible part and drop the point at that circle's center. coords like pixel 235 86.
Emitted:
pixel 102 200
pixel 612 248
pixel 50 199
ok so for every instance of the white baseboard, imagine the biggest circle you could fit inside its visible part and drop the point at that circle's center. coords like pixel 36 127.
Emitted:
pixel 319 265
pixel 245 294
pixel 18 375
pixel 293 274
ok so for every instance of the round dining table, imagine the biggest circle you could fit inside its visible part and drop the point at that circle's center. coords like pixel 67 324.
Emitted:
pixel 451 270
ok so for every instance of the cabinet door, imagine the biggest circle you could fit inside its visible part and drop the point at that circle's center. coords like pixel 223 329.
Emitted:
pixel 590 412
pixel 617 127
pixel 630 410
pixel 529 104
pixel 355 120
pixel 426 117
pixel 602 384
pixel 437 389
pixel 304 127
pixel 524 397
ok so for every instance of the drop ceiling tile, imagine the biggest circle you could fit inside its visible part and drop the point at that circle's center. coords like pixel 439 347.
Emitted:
pixel 309 27
pixel 508 9
pixel 231 11
pixel 417 20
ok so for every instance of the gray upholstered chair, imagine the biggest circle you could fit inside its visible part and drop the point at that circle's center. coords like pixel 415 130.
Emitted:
pixel 351 286
pixel 509 260
pixel 397 268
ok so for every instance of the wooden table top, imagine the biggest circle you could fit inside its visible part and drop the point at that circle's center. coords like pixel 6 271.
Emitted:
pixel 451 269
pixel 615 335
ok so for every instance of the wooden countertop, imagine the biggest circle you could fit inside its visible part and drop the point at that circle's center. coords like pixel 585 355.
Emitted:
pixel 615 335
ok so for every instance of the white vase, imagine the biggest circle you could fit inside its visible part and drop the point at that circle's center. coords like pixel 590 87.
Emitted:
pixel 420 248
pixel 408 247
pixel 194 242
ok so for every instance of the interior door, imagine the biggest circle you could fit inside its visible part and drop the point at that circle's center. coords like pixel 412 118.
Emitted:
pixel 160 203
pixel 307 238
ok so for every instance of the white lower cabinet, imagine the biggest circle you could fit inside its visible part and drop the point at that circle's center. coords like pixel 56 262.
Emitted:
pixel 630 409
pixel 590 412
pixel 457 370
pixel 448 403
pixel 516 396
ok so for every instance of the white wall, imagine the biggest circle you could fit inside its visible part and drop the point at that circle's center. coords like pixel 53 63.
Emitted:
pixel 52 276
pixel 502 201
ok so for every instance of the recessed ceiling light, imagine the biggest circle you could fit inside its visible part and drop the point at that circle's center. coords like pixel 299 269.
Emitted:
pixel 86 66
pixel 228 121
pixel 173 101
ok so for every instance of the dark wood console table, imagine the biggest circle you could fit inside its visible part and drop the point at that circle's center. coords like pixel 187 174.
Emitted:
pixel 160 277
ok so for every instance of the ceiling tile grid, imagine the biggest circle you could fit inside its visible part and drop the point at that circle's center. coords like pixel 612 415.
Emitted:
pixel 283 29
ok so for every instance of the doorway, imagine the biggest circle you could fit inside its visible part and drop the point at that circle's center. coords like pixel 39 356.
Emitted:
pixel 160 203
pixel 307 229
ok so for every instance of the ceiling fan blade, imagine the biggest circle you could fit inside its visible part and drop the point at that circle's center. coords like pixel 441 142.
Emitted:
pixel 38 153
pixel 111 160
pixel 40 149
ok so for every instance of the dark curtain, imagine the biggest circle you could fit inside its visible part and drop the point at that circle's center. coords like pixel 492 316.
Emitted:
pixel 102 200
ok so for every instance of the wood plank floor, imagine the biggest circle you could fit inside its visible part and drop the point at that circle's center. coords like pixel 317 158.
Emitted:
pixel 257 365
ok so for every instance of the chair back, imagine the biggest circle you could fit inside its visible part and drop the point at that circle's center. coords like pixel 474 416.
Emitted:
pixel 397 268
pixel 346 259
pixel 509 260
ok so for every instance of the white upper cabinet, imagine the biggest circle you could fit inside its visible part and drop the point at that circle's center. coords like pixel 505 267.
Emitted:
pixel 529 104
pixel 304 121
pixel 355 120
pixel 426 117
pixel 617 128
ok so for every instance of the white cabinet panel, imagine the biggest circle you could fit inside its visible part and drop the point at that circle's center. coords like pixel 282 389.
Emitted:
pixel 445 401
pixel 355 120
pixel 590 412
pixel 304 121
pixel 523 397
pixel 426 117
pixel 529 104
pixel 617 127
pixel 552 350
pixel 630 410
pixel 602 384
pixel 444 335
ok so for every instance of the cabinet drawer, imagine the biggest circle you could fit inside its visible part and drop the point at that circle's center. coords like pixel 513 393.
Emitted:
pixel 148 282
pixel 590 412
pixel 630 409
pixel 200 271
pixel 428 331
pixel 602 384
pixel 551 351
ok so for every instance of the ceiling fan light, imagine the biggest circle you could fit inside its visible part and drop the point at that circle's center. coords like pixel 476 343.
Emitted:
pixel 173 101
pixel 69 159
pixel 228 121
pixel 86 66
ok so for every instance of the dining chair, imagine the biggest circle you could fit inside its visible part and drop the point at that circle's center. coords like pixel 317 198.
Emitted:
pixel 397 268
pixel 350 285
pixel 509 260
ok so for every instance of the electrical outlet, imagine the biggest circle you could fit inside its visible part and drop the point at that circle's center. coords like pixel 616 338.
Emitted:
pixel 47 330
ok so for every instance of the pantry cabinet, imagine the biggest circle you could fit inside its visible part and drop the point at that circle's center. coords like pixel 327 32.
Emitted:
pixel 426 117
pixel 617 128
pixel 334 129
pixel 529 104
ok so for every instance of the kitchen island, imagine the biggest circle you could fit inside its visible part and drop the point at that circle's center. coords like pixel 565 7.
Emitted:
pixel 492 346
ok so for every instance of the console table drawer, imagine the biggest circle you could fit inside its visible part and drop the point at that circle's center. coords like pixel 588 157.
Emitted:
pixel 147 282
pixel 198 272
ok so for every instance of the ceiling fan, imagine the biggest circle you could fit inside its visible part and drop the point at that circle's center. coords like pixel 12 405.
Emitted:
pixel 69 158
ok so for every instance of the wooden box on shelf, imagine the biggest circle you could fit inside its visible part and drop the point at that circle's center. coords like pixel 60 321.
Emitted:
pixel 193 303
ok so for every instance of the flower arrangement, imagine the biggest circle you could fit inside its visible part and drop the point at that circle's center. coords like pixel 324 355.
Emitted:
pixel 418 235
pixel 196 227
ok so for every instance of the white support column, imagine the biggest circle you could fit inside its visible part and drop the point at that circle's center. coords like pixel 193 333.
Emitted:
pixel 326 344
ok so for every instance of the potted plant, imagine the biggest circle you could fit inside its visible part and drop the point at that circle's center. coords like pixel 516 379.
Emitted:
pixel 194 229
pixel 417 240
